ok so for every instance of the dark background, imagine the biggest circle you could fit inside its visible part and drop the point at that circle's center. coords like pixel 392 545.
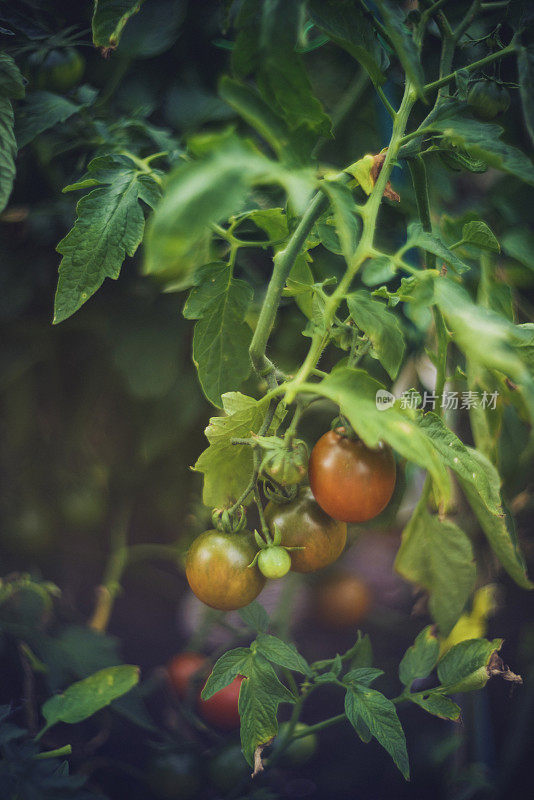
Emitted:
pixel 104 415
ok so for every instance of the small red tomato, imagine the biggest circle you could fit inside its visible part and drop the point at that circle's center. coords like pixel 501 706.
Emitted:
pixel 181 669
pixel 221 709
pixel 349 480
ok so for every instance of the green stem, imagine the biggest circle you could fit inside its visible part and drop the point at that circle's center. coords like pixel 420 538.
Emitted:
pixel 263 521
pixel 111 583
pixel 511 48
pixel 283 264
pixel 420 185
pixel 363 251
pixel 389 108
pixel 467 20
pixel 66 750
pixel 320 726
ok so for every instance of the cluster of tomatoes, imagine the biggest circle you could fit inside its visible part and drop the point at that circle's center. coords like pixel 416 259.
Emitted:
pixel 348 482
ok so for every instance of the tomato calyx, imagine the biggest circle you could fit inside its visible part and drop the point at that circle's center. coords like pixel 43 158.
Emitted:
pixel 342 427
pixel 285 461
pixel 229 520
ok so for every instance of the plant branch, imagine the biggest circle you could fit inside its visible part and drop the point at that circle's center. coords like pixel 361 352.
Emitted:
pixel 111 586
pixel 511 48
pixel 364 249
pixel 283 264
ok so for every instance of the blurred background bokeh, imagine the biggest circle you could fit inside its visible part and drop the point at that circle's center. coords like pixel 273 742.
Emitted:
pixel 102 417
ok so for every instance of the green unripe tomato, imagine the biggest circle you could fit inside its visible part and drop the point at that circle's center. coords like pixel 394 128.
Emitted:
pixel 175 776
pixel 488 99
pixel 300 750
pixel 56 70
pixel 274 562
pixel 286 466
pixel 227 768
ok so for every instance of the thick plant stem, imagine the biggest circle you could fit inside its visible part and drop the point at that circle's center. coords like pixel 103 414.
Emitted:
pixel 363 250
pixel 283 264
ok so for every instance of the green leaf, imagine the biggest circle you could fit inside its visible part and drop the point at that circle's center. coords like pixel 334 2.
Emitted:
pixel 485 337
pixel 41 111
pixel 11 87
pixel 381 326
pixel 525 70
pixel 420 659
pixel 518 243
pixel 363 676
pixel 8 151
pixel 481 484
pixel 11 80
pixel 255 616
pixel 109 19
pixel 437 705
pixel 109 225
pixel 260 695
pixel 249 104
pixel 281 653
pixel 226 668
pixel 361 652
pixel 202 193
pixel 302 275
pixel 84 698
pixel 227 468
pixel 438 556
pixel 479 234
pixel 222 337
pixel 355 393
pixel 282 77
pixel 432 243
pixel 346 25
pixel 379 716
pixel 463 668
pixel 273 221
pixel 403 42
pixel 348 223
pixel 482 141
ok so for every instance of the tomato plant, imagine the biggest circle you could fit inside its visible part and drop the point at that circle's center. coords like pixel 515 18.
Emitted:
pixel 349 480
pixel 322 210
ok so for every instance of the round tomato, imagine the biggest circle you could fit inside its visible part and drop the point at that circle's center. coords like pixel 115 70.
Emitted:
pixel 349 480
pixel 175 776
pixel 302 523
pixel 228 768
pixel 298 751
pixel 342 601
pixel 56 70
pixel 182 668
pixel 221 709
pixel 219 572
pixel 488 99
pixel 274 562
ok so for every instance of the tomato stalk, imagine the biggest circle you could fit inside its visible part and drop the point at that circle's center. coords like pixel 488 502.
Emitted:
pixel 364 249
